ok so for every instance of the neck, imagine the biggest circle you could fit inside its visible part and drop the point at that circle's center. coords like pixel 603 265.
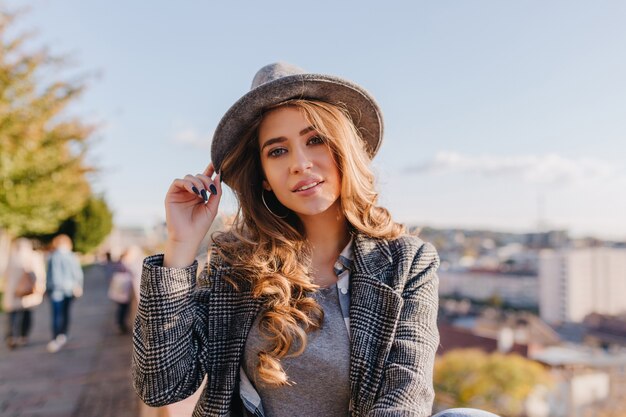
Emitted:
pixel 327 233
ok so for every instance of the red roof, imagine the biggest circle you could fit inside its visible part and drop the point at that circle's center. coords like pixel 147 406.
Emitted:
pixel 452 337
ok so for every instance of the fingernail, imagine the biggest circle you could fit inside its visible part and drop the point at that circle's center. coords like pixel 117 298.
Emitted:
pixel 213 189
pixel 204 195
pixel 195 190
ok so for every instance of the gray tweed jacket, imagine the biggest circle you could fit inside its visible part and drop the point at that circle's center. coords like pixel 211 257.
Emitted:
pixel 187 329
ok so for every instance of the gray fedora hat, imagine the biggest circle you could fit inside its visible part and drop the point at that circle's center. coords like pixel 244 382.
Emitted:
pixel 280 82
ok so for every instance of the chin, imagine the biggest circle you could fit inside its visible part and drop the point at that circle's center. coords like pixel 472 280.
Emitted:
pixel 313 210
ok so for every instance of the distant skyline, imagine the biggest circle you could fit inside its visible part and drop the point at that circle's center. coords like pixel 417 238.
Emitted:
pixel 498 115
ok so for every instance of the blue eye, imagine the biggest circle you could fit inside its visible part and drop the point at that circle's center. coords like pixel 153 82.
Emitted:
pixel 316 140
pixel 276 152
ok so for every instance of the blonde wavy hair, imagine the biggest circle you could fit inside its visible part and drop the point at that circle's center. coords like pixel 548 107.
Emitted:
pixel 272 253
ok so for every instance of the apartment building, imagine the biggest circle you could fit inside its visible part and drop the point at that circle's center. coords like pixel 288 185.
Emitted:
pixel 575 282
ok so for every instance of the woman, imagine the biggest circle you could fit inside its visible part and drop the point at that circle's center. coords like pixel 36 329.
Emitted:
pixel 121 290
pixel 24 288
pixel 315 302
pixel 64 283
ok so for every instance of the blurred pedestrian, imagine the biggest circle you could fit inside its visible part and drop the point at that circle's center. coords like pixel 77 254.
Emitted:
pixel 108 265
pixel 64 283
pixel 133 260
pixel 24 288
pixel 121 287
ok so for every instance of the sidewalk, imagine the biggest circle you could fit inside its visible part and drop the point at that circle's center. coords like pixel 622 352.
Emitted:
pixel 90 376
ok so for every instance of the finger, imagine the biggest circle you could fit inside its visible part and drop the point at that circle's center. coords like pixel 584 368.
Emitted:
pixel 209 188
pixel 214 200
pixel 218 182
pixel 206 180
pixel 209 171
pixel 197 184
pixel 213 185
pixel 182 184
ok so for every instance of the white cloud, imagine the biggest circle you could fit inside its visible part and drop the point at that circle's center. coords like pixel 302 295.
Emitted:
pixel 191 137
pixel 547 169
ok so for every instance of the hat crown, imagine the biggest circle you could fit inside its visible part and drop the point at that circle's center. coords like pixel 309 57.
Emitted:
pixel 279 82
pixel 273 72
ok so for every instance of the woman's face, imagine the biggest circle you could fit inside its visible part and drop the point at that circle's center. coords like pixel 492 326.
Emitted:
pixel 298 165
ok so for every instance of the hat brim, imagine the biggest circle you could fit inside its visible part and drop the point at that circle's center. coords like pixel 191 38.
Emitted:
pixel 361 106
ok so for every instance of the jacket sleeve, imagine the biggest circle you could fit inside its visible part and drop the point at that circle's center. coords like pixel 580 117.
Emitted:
pixel 77 270
pixel 407 386
pixel 168 348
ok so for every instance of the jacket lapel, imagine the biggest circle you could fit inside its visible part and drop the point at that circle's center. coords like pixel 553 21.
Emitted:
pixel 374 311
pixel 231 314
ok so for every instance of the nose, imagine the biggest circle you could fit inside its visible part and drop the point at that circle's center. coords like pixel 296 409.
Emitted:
pixel 300 160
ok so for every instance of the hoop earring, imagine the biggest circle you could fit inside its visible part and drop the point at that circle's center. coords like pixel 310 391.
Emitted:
pixel 267 207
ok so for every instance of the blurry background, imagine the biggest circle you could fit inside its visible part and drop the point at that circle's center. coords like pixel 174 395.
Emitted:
pixel 506 115
pixel 505 137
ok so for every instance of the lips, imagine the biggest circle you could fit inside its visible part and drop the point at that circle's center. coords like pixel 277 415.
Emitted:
pixel 306 184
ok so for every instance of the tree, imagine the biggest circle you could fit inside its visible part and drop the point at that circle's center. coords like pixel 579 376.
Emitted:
pixel 43 173
pixel 90 226
pixel 494 382
pixel 42 165
pixel 495 300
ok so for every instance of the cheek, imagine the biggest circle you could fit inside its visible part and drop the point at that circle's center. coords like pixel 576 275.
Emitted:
pixel 330 165
pixel 272 171
pixel 336 178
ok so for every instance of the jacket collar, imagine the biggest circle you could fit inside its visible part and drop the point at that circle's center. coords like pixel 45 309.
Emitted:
pixel 371 255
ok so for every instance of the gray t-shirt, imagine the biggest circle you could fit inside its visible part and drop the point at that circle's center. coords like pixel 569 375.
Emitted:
pixel 321 375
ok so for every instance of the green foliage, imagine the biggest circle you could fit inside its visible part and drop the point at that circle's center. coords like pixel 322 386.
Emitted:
pixel 495 301
pixel 42 167
pixel 90 226
pixel 494 382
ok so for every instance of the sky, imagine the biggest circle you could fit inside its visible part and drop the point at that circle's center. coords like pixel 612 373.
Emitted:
pixel 502 115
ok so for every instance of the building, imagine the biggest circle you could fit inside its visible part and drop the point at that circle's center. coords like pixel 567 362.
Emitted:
pixel 515 290
pixel 576 282
pixel 586 380
pixel 604 331
pixel 542 240
pixel 497 331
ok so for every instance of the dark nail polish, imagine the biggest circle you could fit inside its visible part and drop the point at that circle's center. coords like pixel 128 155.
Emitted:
pixel 213 189
pixel 195 190
pixel 204 195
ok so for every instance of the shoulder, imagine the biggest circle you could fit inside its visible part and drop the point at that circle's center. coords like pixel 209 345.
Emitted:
pixel 377 252
pixel 396 260
pixel 413 250
pixel 406 244
pixel 414 261
pixel 404 249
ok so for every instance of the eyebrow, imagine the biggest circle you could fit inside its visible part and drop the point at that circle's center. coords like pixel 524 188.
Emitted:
pixel 283 139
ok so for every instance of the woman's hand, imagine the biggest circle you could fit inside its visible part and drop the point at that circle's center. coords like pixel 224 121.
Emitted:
pixel 77 292
pixel 190 207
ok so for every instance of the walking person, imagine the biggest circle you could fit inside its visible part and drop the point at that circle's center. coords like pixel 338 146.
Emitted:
pixel 315 302
pixel 121 287
pixel 24 288
pixel 133 260
pixel 64 283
